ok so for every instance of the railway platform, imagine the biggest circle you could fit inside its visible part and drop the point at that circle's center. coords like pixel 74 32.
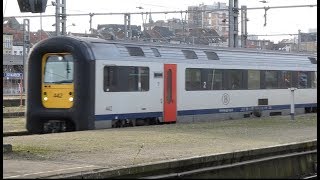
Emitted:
pixel 86 154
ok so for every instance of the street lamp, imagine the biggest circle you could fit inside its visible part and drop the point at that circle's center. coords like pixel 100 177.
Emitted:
pixel 73 24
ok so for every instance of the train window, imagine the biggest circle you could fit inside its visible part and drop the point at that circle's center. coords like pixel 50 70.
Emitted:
pixel 135 51
pixel 169 86
pixel 310 81
pixel 203 79
pixel 271 79
pixel 211 55
pixel 294 79
pixel 193 79
pixel 253 79
pixel 313 79
pixel 234 79
pixel 58 69
pixel 285 79
pixel 189 54
pixel 156 52
pixel 302 79
pixel 132 78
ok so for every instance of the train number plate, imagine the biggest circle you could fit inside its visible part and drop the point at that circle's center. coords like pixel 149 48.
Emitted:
pixel 57 95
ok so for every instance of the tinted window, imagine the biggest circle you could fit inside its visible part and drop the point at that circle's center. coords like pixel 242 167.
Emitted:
pixel 126 78
pixel 253 79
pixel 302 79
pixel 235 79
pixel 314 79
pixel 169 86
pixel 271 79
pixel 203 79
pixel 285 80
pixel 193 79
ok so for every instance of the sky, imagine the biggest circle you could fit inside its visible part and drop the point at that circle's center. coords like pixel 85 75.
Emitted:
pixel 279 21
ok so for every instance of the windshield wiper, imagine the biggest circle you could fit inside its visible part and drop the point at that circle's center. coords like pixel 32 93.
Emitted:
pixel 63 81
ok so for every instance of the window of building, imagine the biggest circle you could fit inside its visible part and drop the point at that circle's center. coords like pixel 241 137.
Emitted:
pixel 271 79
pixel 126 78
pixel 7 42
pixel 189 54
pixel 253 79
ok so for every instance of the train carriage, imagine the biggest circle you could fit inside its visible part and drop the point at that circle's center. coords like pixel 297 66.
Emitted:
pixel 78 83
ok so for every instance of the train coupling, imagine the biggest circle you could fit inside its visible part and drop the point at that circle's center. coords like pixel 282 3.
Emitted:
pixel 54 126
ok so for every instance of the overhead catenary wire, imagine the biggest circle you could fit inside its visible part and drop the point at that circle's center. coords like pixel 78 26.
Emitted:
pixel 167 12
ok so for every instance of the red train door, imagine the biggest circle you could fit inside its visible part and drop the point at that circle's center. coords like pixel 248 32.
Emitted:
pixel 170 93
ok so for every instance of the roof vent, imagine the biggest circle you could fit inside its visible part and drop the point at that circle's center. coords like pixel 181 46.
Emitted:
pixel 156 52
pixel 135 51
pixel 189 54
pixel 313 60
pixel 212 55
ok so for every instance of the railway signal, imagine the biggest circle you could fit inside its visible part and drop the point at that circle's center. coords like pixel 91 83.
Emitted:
pixel 33 6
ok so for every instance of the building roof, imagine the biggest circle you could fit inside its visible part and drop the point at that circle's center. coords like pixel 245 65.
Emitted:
pixel 18 35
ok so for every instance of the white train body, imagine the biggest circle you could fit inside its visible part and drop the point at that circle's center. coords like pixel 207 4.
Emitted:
pixel 200 105
pixel 115 84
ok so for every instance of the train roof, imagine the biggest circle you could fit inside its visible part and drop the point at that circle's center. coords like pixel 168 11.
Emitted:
pixel 103 49
pixel 189 46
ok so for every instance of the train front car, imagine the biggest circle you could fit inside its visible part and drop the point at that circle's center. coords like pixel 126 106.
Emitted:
pixel 60 71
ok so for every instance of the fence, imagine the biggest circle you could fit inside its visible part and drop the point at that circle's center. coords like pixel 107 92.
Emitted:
pixel 12 83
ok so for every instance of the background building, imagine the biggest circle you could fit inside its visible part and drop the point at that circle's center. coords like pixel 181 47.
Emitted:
pixel 206 16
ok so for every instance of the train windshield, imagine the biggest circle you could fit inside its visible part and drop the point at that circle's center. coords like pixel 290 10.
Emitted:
pixel 58 69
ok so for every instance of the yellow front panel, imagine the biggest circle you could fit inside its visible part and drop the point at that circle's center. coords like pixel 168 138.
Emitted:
pixel 55 94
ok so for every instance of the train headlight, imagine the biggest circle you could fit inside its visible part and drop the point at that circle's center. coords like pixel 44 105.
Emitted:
pixel 71 99
pixel 45 98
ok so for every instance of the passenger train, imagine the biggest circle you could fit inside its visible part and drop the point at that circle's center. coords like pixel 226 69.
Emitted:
pixel 76 83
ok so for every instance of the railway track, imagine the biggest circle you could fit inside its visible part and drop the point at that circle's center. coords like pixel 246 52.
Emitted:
pixel 18 133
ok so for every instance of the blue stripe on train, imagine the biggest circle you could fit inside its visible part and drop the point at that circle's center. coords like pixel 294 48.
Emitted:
pixel 198 111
